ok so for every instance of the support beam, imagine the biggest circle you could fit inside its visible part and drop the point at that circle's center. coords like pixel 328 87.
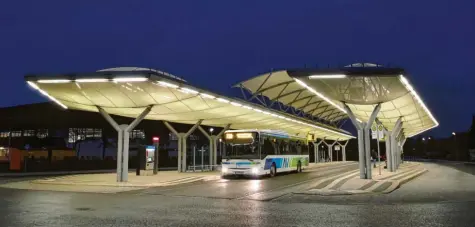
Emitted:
pixel 343 150
pixel 215 143
pixel 330 149
pixel 123 141
pixel 315 151
pixel 182 146
pixel 364 149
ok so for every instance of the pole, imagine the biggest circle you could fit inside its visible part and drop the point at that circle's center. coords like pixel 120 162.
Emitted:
pixel 379 156
pixel 155 164
pixel 202 158
pixel 194 158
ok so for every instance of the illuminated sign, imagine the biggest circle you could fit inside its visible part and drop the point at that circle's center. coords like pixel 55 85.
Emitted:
pixel 244 135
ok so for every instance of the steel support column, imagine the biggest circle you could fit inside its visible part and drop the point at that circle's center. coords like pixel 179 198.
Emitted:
pixel 123 141
pixel 390 143
pixel 315 151
pixel 343 150
pixel 182 146
pixel 215 144
pixel 330 149
pixel 213 141
pixel 364 150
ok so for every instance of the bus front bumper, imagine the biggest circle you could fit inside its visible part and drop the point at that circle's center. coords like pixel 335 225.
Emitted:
pixel 254 171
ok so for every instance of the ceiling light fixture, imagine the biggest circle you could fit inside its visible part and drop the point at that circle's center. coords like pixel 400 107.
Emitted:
pixel 328 76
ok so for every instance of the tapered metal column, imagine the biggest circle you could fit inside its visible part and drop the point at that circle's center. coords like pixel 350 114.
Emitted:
pixel 364 151
pixel 388 150
pixel 123 141
pixel 215 143
pixel 343 150
pixel 394 143
pixel 330 149
pixel 315 150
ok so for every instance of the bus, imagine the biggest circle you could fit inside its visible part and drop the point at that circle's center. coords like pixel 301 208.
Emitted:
pixel 263 152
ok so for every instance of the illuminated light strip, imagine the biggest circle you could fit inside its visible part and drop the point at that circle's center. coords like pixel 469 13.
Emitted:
pixel 189 90
pixel 418 98
pixel 166 84
pixel 319 95
pixel 417 133
pixel 60 81
pixel 236 104
pixel 92 80
pixel 34 86
pixel 130 79
pixel 247 107
pixel 207 96
pixel 330 76
pixel 222 100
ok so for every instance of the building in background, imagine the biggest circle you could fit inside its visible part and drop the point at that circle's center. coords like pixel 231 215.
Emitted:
pixel 44 126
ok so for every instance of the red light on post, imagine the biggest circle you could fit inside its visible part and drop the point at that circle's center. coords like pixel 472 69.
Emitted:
pixel 155 139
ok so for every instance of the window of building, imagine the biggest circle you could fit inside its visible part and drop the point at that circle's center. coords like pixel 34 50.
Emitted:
pixel 77 134
pixel 15 134
pixel 4 134
pixel 42 133
pixel 137 134
pixel 28 133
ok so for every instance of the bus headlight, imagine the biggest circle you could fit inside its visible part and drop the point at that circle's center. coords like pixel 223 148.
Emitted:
pixel 254 170
pixel 224 169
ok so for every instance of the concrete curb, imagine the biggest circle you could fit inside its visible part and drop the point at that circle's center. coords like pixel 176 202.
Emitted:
pixel 126 184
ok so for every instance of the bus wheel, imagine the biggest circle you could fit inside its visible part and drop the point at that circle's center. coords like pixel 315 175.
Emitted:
pixel 273 170
pixel 299 167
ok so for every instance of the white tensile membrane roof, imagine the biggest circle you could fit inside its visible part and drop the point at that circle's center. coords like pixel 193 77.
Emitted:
pixel 128 91
pixel 322 93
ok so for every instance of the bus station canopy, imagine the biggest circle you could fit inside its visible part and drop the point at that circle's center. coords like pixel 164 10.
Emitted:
pixel 324 92
pixel 128 91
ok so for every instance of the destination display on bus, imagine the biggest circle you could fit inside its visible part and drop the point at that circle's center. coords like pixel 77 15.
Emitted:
pixel 240 137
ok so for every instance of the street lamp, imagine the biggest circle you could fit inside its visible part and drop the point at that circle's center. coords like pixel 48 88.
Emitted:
pixel 211 130
pixel 423 139
pixel 453 133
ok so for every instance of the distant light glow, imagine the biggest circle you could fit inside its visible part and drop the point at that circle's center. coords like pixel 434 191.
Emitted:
pixel 329 76
pixel 92 80
pixel 59 81
pixel 130 79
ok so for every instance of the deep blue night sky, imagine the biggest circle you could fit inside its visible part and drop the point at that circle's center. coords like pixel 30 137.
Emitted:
pixel 214 44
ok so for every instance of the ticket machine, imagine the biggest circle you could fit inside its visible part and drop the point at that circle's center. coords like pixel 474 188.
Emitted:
pixel 146 160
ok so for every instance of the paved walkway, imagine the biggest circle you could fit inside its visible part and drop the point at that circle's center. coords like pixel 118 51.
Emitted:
pixel 106 182
pixel 385 182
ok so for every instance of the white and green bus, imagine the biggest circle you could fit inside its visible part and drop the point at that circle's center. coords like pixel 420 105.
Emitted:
pixel 263 152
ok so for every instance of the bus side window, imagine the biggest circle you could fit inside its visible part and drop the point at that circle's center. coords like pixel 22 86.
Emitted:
pixel 285 146
pixel 293 147
pixel 267 147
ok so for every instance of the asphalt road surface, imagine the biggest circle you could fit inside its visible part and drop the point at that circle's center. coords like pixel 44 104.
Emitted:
pixel 212 204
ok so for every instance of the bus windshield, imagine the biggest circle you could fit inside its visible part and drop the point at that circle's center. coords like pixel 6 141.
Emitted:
pixel 241 151
pixel 242 145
